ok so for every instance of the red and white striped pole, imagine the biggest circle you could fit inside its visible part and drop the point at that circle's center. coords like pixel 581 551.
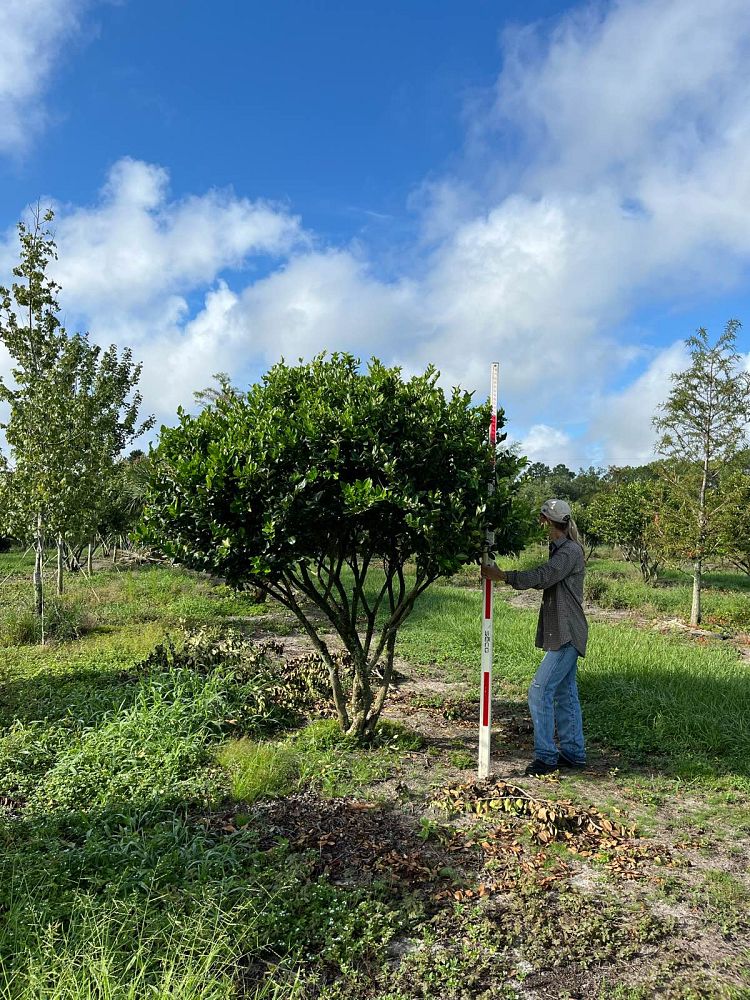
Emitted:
pixel 485 696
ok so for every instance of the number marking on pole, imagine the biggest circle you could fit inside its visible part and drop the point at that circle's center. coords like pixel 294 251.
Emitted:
pixel 485 697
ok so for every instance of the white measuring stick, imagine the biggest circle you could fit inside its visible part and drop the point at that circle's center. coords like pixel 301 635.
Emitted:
pixel 485 690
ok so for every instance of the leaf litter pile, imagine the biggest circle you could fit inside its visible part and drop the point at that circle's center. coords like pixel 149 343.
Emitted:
pixel 355 841
pixel 584 830
pixel 358 841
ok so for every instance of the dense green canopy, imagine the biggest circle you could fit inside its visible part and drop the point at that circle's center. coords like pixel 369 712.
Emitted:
pixel 323 470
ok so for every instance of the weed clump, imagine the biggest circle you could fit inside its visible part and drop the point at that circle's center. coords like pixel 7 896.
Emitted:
pixel 62 621
pixel 261 690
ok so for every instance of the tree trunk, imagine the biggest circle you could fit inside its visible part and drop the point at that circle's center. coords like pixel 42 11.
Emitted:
pixel 38 576
pixel 379 700
pixel 38 559
pixel 700 550
pixel 90 560
pixel 60 546
pixel 72 557
pixel 643 560
pixel 114 553
pixel 695 613
pixel 649 567
pixel 360 700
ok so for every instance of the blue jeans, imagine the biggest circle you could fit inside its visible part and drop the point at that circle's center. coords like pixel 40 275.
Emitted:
pixel 553 699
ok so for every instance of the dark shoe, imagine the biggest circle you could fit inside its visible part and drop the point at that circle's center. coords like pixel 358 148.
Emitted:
pixel 538 767
pixel 564 761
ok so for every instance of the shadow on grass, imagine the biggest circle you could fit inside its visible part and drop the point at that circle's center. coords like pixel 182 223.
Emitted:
pixel 682 723
pixel 81 695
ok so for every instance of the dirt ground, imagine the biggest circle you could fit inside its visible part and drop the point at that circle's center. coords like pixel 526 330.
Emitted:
pixel 660 908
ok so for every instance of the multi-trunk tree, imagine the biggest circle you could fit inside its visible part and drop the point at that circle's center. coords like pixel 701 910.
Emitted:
pixel 341 493
pixel 702 429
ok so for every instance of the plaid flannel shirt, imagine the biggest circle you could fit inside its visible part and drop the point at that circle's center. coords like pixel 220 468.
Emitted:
pixel 561 617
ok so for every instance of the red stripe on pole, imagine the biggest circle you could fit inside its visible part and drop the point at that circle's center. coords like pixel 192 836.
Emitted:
pixel 486 699
pixel 488 599
pixel 493 429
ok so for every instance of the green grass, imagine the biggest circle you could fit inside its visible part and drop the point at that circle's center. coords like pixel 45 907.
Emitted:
pixel 645 695
pixel 613 583
pixel 721 605
pixel 161 594
pixel 318 755
pixel 720 899
pixel 113 598
pixel 259 770
pixel 724 901
pixel 115 883
pixel 112 886
pixel 120 880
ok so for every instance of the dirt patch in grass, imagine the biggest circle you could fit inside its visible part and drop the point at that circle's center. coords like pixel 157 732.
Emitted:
pixel 358 841
pixel 689 956
pixel 496 908
pixel 503 916
pixel 499 909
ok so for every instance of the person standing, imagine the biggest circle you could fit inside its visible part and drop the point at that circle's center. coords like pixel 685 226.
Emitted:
pixel 562 632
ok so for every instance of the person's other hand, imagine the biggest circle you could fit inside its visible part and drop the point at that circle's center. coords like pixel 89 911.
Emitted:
pixel 493 573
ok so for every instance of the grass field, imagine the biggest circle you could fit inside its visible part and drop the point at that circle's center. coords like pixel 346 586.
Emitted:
pixel 135 862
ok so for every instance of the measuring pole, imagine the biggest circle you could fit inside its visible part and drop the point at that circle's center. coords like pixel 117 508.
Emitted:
pixel 485 695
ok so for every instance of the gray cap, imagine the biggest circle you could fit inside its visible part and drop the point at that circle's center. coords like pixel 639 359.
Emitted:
pixel 556 510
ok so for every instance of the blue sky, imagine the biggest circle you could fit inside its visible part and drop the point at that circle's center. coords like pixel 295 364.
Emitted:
pixel 560 187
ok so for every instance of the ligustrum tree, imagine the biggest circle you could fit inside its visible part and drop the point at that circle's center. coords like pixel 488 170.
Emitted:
pixel 341 493
pixel 702 428
pixel 70 406
pixel 626 515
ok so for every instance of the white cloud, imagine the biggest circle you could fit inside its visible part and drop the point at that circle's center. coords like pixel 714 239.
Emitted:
pixel 621 422
pixel 135 246
pixel 315 301
pixel 182 359
pixel 129 263
pixel 32 37
pixel 631 183
pixel 614 87
pixel 550 445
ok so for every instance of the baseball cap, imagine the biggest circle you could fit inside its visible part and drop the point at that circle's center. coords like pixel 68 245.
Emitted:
pixel 556 510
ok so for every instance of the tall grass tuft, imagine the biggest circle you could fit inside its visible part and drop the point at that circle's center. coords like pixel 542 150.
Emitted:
pixel 97 958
